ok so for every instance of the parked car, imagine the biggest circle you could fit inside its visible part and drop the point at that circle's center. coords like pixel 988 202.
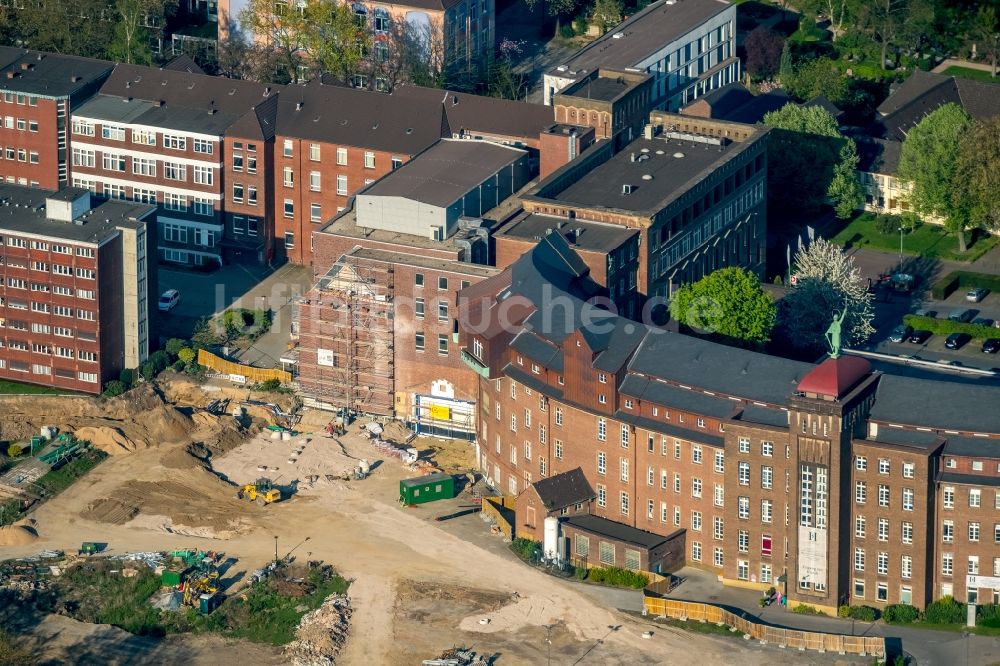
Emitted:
pixel 169 300
pixel 963 315
pixel 983 321
pixel 920 337
pixel 900 333
pixel 924 312
pixel 957 340
pixel 991 345
pixel 976 294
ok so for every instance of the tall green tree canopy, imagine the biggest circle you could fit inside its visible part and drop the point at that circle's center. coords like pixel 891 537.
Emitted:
pixel 730 303
pixel 810 160
pixel 928 161
pixel 976 187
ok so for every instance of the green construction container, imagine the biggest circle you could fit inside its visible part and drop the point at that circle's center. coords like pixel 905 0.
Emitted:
pixel 428 488
pixel 208 602
pixel 171 578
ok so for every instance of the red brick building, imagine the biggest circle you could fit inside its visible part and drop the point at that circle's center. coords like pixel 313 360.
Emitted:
pixel 822 480
pixel 77 287
pixel 38 91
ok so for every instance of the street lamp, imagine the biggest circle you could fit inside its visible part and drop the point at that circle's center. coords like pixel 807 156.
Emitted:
pixel 900 247
pixel 276 549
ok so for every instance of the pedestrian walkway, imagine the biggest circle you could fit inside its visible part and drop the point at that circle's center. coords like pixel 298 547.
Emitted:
pixel 953 62
pixel 926 647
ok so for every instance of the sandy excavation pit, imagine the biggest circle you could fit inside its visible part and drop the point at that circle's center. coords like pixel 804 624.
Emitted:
pixel 311 460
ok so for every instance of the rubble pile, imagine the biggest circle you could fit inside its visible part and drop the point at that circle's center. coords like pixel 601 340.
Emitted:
pixel 321 633
pixel 460 657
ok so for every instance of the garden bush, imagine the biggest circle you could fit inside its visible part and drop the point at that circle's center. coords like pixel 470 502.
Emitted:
pixel 945 611
pixel 581 573
pixel 862 613
pixel 887 224
pixel 114 388
pixel 179 365
pixel 524 548
pixel 185 354
pixel 947 327
pixel 127 378
pixel 175 345
pixel 566 31
pixel 14 450
pixel 988 615
pixel 618 577
pixel 900 614
pixel 947 285
pixel 805 609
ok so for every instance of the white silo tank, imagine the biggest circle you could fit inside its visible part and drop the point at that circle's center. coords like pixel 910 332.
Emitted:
pixel 550 544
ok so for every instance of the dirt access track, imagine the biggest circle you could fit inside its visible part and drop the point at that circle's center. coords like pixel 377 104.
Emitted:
pixel 418 588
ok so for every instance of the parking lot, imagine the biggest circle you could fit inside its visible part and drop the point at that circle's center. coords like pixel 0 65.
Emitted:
pixel 208 294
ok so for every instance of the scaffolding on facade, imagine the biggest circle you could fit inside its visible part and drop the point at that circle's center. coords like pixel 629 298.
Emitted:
pixel 346 338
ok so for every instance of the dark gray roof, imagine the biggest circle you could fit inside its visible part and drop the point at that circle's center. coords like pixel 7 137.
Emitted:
pixel 937 404
pixel 878 155
pixel 532 381
pixel 695 435
pixel 641 35
pixel 616 345
pixel 764 416
pixel 687 400
pixel 420 261
pixel 924 92
pixel 920 439
pixel 822 102
pixel 427 478
pixel 601 88
pixel 184 63
pixel 177 100
pixel 972 446
pixel 566 489
pixel 970 479
pixel 48 74
pixel 671 175
pixel 538 349
pixel 445 172
pixel 580 234
pixel 363 118
pixel 22 210
pixel 728 370
pixel 619 532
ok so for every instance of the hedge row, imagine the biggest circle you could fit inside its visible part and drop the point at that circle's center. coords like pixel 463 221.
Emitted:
pixel 947 285
pixel 947 327
pixel 617 577
pixel 863 613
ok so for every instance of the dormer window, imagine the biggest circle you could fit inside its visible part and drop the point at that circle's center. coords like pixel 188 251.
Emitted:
pixel 603 378
pixel 628 404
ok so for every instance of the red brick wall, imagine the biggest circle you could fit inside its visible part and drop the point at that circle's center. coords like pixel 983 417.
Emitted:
pixel 262 179
pixel 44 142
pixel 327 197
pixel 330 247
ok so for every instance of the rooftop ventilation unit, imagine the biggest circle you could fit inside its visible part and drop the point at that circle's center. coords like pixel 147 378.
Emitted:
pixel 628 189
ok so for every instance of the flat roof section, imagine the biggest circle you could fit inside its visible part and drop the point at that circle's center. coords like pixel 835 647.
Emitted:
pixel 22 211
pixel 445 172
pixel 662 168
pixel 601 88
pixel 49 74
pixel 432 263
pixel 580 234
pixel 641 35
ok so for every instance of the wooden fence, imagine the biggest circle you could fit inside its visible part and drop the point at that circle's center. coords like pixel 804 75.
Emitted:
pixel 234 370
pixel 500 512
pixel 787 638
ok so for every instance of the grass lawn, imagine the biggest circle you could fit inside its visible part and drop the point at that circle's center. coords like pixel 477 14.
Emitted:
pixel 929 240
pixel 16 388
pixel 969 73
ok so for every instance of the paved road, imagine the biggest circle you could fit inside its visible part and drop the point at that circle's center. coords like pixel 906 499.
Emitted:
pixel 928 648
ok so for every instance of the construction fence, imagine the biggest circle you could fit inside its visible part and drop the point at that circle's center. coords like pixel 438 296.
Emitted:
pixel 241 373
pixel 792 639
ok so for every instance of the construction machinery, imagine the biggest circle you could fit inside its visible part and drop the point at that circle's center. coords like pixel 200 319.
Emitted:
pixel 262 491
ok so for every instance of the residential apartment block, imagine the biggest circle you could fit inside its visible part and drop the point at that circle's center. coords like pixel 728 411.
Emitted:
pixel 694 188
pixel 77 287
pixel 38 91
pixel 687 47
pixel 822 480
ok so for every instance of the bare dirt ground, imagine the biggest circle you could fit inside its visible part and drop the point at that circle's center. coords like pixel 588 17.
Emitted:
pixel 418 588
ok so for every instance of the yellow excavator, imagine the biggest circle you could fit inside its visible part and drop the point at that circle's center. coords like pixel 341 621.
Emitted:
pixel 262 491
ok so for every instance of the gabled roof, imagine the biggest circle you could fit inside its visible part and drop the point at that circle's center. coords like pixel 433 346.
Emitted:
pixel 924 92
pixel 937 404
pixel 562 490
pixel 821 101
pixel 878 155
pixel 184 63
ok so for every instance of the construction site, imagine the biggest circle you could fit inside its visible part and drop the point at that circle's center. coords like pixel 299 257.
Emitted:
pixel 427 581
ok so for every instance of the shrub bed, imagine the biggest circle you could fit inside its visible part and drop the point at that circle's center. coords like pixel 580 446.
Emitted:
pixel 947 327
pixel 618 577
pixel 945 611
pixel 863 613
pixel 900 614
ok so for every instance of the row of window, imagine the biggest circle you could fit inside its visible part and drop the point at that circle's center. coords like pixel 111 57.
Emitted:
pixel 884 466
pixel 49 350
pixel 47 371
pixel 144 137
pixel 973 531
pixel 14 241
pixel 288 150
pixel 142 166
pixel 43 267
pixel 20 124
pixel 20 99
pixel 442 343
pixel 45 308
pixel 20 155
pixel 884 492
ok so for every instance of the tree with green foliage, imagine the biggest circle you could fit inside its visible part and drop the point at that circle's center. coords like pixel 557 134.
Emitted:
pixel 730 303
pixel 928 162
pixel 130 41
pixel 186 355
pixel 977 175
pixel 882 21
pixel 607 14
pixel 818 76
pixel 174 345
pixel 114 388
pixel 809 160
pixel 985 34
pixel 827 282
pixel 785 69
pixel 332 38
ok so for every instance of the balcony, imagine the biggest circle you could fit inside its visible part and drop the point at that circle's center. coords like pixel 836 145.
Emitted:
pixel 476 365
